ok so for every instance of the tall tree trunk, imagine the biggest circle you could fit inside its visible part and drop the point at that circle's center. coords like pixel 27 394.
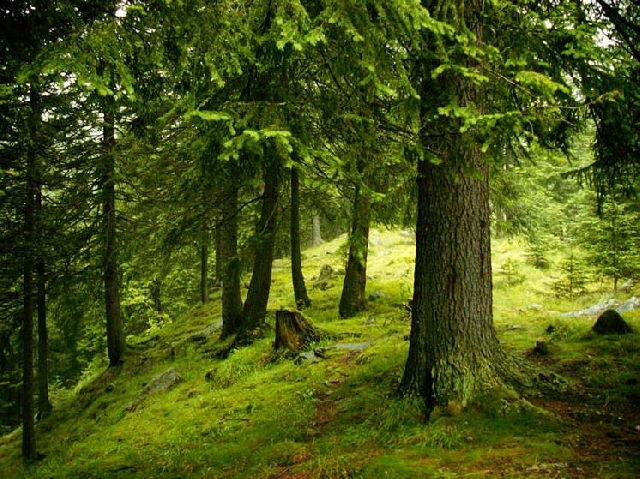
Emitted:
pixel 44 406
pixel 115 333
pixel 255 306
pixel 316 237
pixel 299 287
pixel 204 265
pixel 28 426
pixel 454 352
pixel 230 265
pixel 353 299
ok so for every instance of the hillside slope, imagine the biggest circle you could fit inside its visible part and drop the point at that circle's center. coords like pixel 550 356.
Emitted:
pixel 255 416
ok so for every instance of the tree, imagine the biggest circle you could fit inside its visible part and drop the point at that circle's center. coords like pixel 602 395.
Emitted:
pixel 299 287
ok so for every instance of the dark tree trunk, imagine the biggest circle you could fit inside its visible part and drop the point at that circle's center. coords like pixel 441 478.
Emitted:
pixel 204 265
pixel 293 331
pixel 44 406
pixel 299 287
pixel 219 269
pixel 255 306
pixel 454 353
pixel 230 265
pixel 28 426
pixel 115 333
pixel 316 237
pixel 353 299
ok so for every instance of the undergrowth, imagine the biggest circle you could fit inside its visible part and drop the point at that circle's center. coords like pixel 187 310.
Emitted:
pixel 250 416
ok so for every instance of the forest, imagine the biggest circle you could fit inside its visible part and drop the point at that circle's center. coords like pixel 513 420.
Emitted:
pixel 309 239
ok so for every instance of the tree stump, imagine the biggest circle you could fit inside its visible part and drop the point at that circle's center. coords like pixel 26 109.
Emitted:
pixel 293 331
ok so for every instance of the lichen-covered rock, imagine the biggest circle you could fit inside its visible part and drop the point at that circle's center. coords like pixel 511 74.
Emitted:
pixel 162 382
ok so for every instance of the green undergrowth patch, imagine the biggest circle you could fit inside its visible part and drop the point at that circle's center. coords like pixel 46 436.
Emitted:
pixel 256 416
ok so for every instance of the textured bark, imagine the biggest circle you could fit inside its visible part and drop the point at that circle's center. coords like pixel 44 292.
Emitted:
pixel 353 299
pixel 316 236
pixel 293 331
pixel 204 265
pixel 454 352
pixel 28 426
pixel 299 287
pixel 115 333
pixel 255 306
pixel 44 406
pixel 230 265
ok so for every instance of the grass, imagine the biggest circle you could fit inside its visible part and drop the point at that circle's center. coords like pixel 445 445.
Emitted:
pixel 249 417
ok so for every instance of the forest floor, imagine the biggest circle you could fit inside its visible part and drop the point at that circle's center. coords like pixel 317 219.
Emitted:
pixel 336 415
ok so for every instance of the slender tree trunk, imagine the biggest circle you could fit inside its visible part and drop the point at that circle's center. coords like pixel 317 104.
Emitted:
pixel 454 352
pixel 28 426
pixel 316 237
pixel 353 299
pixel 299 287
pixel 230 265
pixel 255 306
pixel 204 265
pixel 115 333
pixel 219 269
pixel 44 406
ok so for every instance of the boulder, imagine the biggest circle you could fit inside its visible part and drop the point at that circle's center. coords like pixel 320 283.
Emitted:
pixel 162 382
pixel 610 322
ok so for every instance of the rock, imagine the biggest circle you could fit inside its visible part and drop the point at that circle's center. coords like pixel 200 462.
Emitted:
pixel 162 382
pixel 326 272
pixel 206 332
pixel 376 295
pixel 593 310
pixel 629 305
pixel 610 322
pixel 626 287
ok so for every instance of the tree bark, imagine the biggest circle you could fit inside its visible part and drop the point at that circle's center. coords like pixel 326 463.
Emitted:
pixel 204 264
pixel 115 333
pixel 299 287
pixel 293 331
pixel 454 352
pixel 316 237
pixel 353 299
pixel 44 406
pixel 28 426
pixel 255 306
pixel 230 265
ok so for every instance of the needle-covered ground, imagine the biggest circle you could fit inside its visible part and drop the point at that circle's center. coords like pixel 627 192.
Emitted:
pixel 255 416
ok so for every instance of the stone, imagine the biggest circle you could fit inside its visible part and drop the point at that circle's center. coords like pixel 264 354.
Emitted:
pixel 206 332
pixel 376 295
pixel 629 305
pixel 610 322
pixel 162 382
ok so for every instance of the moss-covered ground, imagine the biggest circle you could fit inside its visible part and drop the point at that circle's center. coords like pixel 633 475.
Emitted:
pixel 338 417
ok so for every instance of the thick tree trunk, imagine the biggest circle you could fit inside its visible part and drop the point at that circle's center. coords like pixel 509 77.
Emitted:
pixel 299 287
pixel 28 426
pixel 115 333
pixel 255 306
pixel 353 299
pixel 230 265
pixel 454 352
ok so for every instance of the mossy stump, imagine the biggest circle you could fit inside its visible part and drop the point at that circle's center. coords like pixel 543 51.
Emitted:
pixel 293 331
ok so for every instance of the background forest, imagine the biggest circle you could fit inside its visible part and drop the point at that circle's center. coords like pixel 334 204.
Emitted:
pixel 165 165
